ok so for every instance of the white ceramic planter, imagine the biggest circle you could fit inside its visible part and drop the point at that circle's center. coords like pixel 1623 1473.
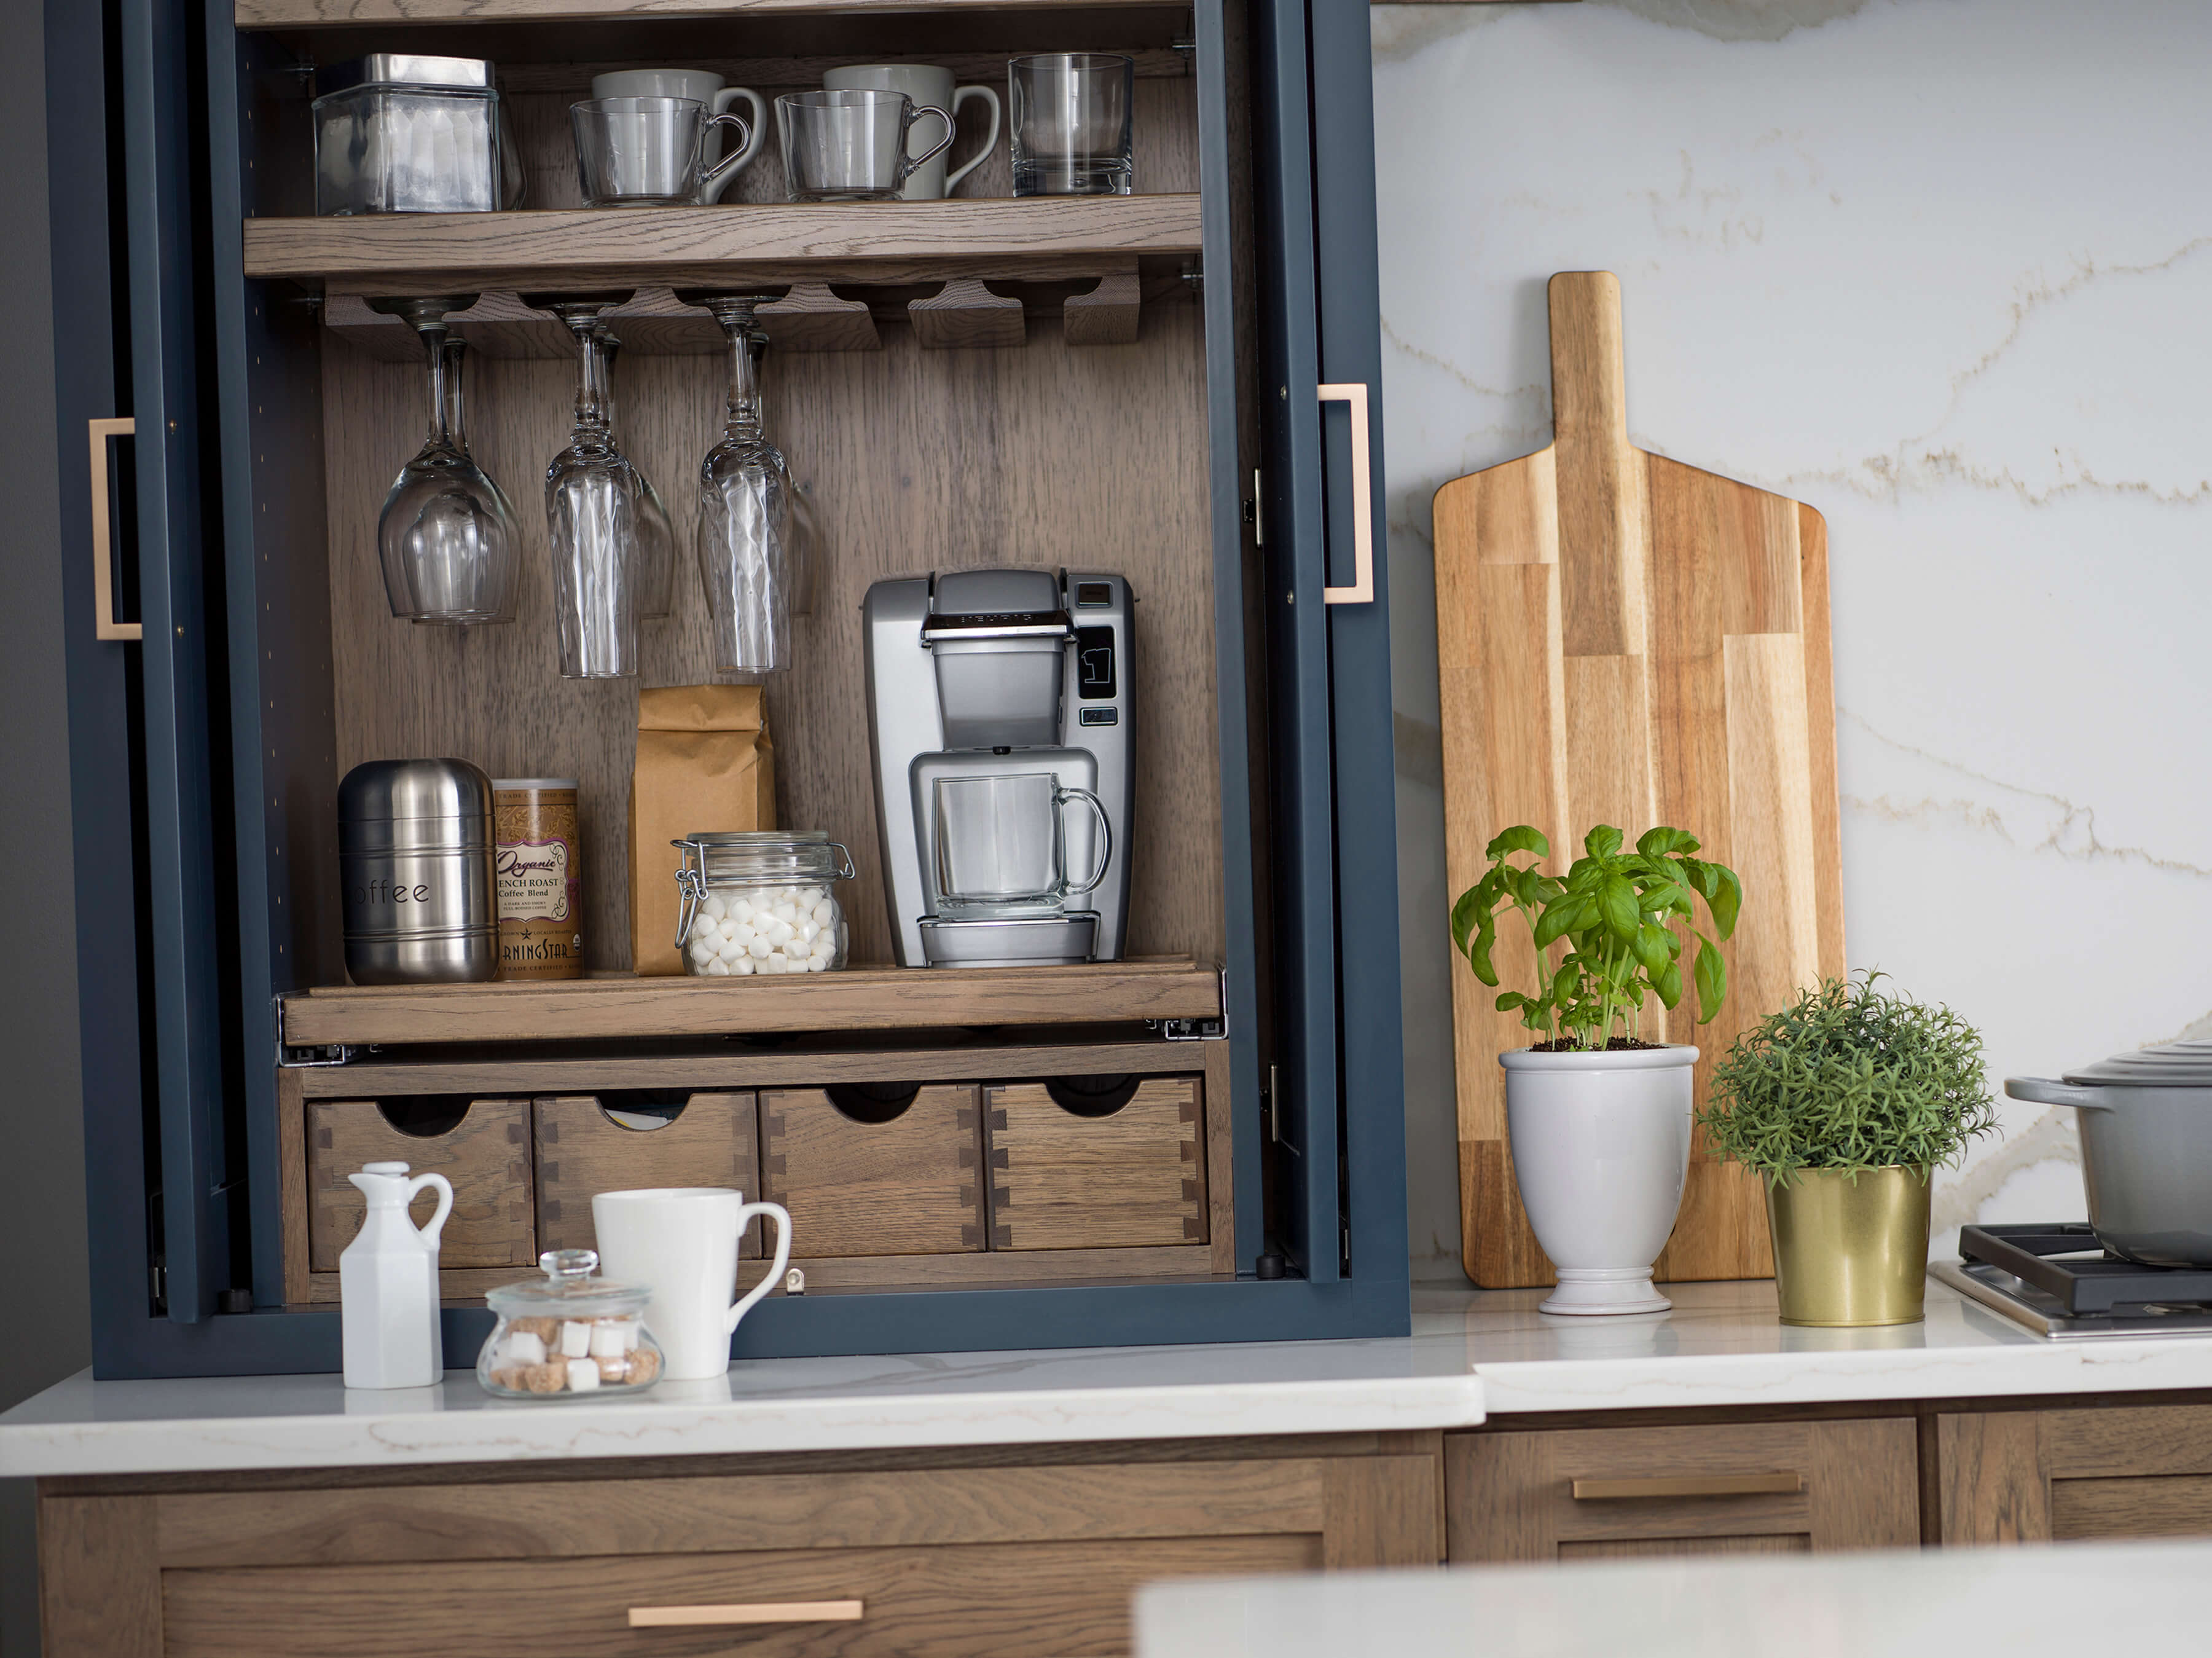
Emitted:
pixel 1600 1148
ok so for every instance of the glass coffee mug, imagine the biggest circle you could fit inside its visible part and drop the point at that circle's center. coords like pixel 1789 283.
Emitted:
pixel 1002 843
pixel 650 152
pixel 852 146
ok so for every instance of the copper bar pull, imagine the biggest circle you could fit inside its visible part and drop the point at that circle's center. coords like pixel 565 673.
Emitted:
pixel 104 624
pixel 747 1611
pixel 1787 1483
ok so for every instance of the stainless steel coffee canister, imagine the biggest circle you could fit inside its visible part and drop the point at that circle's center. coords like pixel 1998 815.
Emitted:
pixel 414 852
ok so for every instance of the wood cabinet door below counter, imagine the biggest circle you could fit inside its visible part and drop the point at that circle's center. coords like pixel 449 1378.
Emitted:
pixel 1736 1488
pixel 2050 1476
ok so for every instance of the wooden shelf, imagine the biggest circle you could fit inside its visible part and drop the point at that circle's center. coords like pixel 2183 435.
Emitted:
pixel 859 999
pixel 753 244
pixel 324 13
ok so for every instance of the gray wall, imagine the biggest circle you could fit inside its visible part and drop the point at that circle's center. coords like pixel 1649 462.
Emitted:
pixel 42 1224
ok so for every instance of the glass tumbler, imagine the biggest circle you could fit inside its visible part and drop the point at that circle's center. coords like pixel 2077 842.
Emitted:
pixel 851 146
pixel 1071 123
pixel 650 152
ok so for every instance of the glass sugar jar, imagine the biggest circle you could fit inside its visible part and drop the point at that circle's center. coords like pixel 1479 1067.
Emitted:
pixel 568 1332
pixel 765 901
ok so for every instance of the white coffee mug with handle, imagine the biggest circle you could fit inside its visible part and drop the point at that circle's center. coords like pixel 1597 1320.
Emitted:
pixel 701 86
pixel 681 1243
pixel 930 88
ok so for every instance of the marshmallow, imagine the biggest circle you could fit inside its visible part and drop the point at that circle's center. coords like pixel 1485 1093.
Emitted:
pixel 780 934
pixel 575 1340
pixel 825 912
pixel 718 968
pixel 583 1373
pixel 703 952
pixel 740 930
pixel 704 925
pixel 774 964
pixel 524 1347
pixel 817 963
pixel 809 932
pixel 714 907
pixel 740 909
pixel 758 949
pixel 741 967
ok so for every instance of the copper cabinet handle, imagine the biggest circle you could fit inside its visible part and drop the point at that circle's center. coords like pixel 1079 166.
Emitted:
pixel 104 624
pixel 747 1611
pixel 1787 1483
pixel 1362 590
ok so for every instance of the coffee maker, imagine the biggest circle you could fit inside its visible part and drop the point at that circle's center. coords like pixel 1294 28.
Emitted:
pixel 1000 724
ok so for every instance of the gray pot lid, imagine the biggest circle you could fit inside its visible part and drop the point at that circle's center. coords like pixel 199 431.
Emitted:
pixel 2169 1065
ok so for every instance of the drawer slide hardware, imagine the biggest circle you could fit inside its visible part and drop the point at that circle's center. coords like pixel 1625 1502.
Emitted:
pixel 1787 1483
pixel 749 1612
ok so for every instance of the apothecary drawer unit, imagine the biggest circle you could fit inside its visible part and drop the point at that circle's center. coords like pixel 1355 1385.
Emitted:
pixel 1152 384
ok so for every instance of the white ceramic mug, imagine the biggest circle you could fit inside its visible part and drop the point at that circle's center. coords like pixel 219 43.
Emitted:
pixel 927 88
pixel 701 86
pixel 681 1243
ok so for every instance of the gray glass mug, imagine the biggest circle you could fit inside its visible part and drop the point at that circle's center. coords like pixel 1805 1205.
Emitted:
pixel 852 146
pixel 650 152
pixel 1001 843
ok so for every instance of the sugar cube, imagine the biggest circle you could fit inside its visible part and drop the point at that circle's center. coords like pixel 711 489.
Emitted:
pixel 607 1341
pixel 583 1374
pixel 575 1340
pixel 524 1347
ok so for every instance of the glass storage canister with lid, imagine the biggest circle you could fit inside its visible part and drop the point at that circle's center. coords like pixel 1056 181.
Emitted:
pixel 568 1332
pixel 413 133
pixel 763 901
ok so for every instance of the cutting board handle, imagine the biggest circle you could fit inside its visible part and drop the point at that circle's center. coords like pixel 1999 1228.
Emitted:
pixel 1589 396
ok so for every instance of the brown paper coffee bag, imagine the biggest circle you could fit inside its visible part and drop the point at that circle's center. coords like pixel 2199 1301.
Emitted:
pixel 704 763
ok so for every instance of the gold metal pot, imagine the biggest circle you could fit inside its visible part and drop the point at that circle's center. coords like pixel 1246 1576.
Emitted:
pixel 1850 1252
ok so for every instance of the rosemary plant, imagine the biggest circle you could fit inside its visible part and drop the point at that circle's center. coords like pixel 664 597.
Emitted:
pixel 1615 912
pixel 1850 1077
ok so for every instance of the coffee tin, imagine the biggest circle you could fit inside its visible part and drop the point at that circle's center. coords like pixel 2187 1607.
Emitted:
pixel 537 860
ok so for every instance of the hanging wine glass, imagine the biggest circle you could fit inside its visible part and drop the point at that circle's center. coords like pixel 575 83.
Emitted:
pixel 593 502
pixel 745 516
pixel 447 537
pixel 656 535
pixel 802 545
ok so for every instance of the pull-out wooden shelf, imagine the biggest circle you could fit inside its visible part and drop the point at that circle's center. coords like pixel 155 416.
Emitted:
pixel 312 14
pixel 754 244
pixel 859 999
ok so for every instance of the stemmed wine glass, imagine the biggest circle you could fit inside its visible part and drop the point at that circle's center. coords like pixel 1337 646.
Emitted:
pixel 594 501
pixel 447 537
pixel 744 514
pixel 656 535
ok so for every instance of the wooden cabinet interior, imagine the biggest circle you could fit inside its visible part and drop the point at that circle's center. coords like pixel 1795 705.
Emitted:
pixel 1085 455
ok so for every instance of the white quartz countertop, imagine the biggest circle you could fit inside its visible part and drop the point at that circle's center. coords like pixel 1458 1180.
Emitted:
pixel 1472 1356
pixel 2129 1598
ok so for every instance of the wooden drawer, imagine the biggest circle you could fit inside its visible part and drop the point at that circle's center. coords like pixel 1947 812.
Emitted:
pixel 1027 1560
pixel 1020 1600
pixel 2044 1476
pixel 581 1151
pixel 906 1186
pixel 1749 1488
pixel 1135 1176
pixel 486 1156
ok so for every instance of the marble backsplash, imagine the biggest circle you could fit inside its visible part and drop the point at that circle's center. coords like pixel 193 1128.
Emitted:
pixel 1942 268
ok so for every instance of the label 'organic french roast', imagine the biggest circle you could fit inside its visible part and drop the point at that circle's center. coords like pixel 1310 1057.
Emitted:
pixel 539 866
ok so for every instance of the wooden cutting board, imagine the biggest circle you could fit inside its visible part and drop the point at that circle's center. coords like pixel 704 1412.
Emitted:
pixel 1625 640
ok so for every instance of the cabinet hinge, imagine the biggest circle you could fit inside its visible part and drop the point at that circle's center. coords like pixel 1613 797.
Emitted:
pixel 157 1281
pixel 1252 513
